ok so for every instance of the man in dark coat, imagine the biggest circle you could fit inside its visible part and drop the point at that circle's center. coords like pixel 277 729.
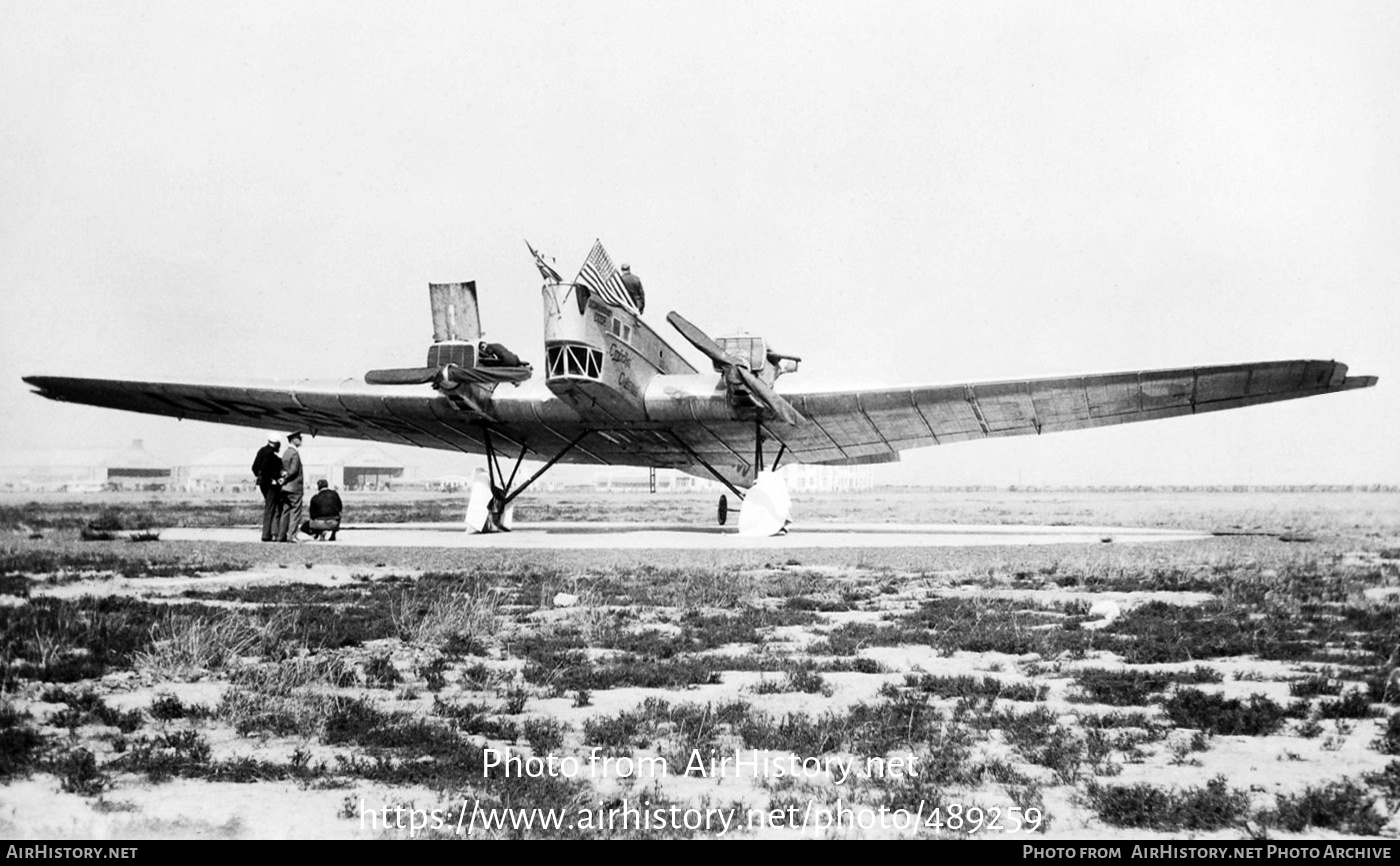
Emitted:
pixel 633 284
pixel 267 468
pixel 290 487
pixel 495 355
pixel 325 512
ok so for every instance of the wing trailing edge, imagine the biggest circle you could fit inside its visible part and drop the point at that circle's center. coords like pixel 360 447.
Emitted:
pixel 840 427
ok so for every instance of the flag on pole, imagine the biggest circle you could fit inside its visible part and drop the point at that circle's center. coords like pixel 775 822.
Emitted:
pixel 599 275
pixel 546 271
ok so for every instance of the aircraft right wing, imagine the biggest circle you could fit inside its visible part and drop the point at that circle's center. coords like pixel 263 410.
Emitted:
pixel 349 408
pixel 873 425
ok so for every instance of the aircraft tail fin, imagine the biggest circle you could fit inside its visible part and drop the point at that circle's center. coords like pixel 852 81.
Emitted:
pixel 456 317
pixel 453 357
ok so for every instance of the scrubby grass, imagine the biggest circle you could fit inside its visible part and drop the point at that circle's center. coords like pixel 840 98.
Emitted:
pixel 1215 806
pixel 415 751
pixel 15 584
pixel 1345 806
pixel 979 624
pixel 797 678
pixel 1354 704
pixel 691 732
pixel 476 718
pixel 78 773
pixel 433 614
pixel 66 565
pixel 284 698
pixel 1157 633
pixel 20 744
pixel 182 647
pixel 1216 714
pixel 1389 741
pixel 380 672
pixel 557 659
pixel 164 756
pixel 167 707
pixel 800 733
pixel 64 641
pixel 1130 687
pixel 1387 781
pixel 545 735
pixel 970 687
pixel 1315 685
pixel 88 708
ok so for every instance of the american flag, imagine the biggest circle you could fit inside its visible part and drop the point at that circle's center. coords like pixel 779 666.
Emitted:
pixel 599 275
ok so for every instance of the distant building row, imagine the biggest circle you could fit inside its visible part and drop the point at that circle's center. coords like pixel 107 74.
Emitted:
pixel 364 467
pixel 801 478
pixel 356 467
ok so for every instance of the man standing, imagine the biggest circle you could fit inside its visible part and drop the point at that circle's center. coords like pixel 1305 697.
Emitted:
pixel 325 512
pixel 267 468
pixel 290 485
pixel 633 284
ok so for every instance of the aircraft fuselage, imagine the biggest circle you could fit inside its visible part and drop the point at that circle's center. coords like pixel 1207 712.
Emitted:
pixel 600 360
pixel 606 368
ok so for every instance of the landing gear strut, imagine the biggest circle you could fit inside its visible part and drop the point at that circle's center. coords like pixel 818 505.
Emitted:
pixel 767 507
pixel 489 503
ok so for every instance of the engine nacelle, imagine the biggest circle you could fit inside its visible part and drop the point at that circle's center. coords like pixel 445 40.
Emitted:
pixel 753 352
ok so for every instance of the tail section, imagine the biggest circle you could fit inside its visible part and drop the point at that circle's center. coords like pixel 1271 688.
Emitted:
pixel 453 358
pixel 456 324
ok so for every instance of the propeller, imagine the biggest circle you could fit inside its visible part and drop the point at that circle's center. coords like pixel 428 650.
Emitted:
pixel 444 378
pixel 762 392
pixel 449 376
pixel 403 376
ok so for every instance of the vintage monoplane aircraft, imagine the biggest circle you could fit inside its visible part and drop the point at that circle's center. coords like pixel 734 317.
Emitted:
pixel 615 393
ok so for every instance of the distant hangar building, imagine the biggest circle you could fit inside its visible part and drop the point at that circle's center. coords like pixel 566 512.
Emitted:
pixel 355 467
pixel 90 470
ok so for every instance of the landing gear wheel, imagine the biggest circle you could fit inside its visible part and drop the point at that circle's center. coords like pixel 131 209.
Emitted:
pixel 767 507
pixel 487 511
pixel 723 509
pixel 496 512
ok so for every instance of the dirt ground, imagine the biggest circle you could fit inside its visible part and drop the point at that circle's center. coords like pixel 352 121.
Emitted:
pixel 1231 687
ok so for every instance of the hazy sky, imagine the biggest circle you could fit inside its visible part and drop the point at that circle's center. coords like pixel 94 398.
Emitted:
pixel 897 192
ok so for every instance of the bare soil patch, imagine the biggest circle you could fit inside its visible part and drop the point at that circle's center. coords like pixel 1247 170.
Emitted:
pixel 1239 687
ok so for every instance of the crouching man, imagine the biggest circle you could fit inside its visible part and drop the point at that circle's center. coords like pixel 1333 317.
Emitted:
pixel 325 513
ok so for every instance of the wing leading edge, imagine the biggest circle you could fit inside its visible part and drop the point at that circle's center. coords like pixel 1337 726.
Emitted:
pixel 348 409
pixel 859 426
pixel 842 427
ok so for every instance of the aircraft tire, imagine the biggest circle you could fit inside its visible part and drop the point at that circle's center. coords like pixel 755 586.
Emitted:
pixel 723 509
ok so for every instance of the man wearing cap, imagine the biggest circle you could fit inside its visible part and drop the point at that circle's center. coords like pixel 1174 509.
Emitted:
pixel 267 468
pixel 633 284
pixel 290 487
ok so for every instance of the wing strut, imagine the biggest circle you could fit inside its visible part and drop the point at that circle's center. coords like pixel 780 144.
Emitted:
pixel 705 463
pixel 767 508
pixel 501 488
pixel 510 497
pixel 757 446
